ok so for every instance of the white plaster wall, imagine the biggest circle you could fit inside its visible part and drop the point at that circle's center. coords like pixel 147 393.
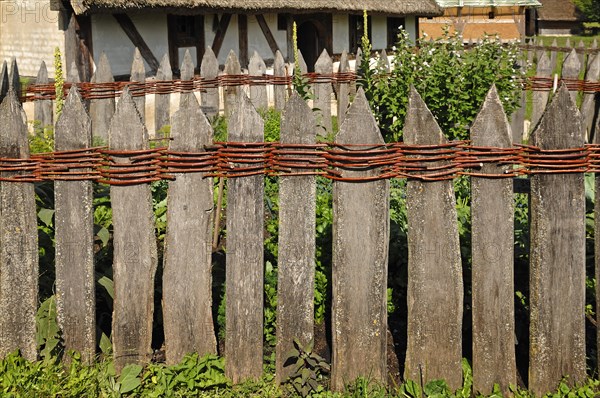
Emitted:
pixel 108 37
pixel 29 32
pixel 340 33
pixel 230 42
pixel 378 32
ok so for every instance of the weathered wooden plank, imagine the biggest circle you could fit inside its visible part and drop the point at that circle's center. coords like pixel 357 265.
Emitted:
pixel 435 286
pixel 557 257
pixel 245 264
pixel 138 75
pixel 232 67
pixel 581 52
pixel 302 63
pixel 209 69
pixel 322 92
pixel 135 252
pixel 77 42
pixel 162 102
pixel 138 41
pixel 3 80
pixel 553 56
pixel 74 242
pixel 186 72
pixel 540 97
pixel 296 255
pixel 360 258
pixel 343 97
pixel 570 70
pixel 588 106
pixel 102 110
pixel 187 281
pixel 42 109
pixel 258 93
pixel 596 140
pixel 14 78
pixel 517 119
pixel 492 226
pixel 18 241
pixel 279 89
pixel 73 74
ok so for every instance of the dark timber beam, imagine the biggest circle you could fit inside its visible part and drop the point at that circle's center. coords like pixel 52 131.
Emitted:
pixel 220 36
pixel 243 39
pixel 134 35
pixel 78 49
pixel 267 32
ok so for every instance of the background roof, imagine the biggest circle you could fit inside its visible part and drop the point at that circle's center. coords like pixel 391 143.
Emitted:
pixel 487 3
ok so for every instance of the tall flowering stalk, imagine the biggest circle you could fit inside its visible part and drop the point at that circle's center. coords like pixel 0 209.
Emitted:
pixel 299 82
pixel 59 82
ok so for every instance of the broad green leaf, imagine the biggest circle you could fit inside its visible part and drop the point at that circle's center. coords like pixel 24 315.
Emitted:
pixel 45 215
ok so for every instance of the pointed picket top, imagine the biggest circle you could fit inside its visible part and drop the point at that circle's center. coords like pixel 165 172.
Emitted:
pixel 232 64
pixel 359 114
pixel 571 65
pixel 164 71
pixel 491 126
pixel 244 114
pixel 42 75
pixel 3 81
pixel 568 42
pixel 103 72
pixel 186 138
pixel 554 44
pixel 302 63
pixel 343 91
pixel 73 114
pixel 296 134
pixel 344 63
pixel 15 135
pixel 358 59
pixel 544 66
pixel 278 89
pixel 209 68
pixel 324 63
pixel 256 66
pixel 187 66
pixel 593 68
pixel 420 126
pixel 594 44
pixel 138 69
pixel 14 78
pixel 561 115
pixel 553 55
pixel 279 64
pixel 126 113
pixel 73 74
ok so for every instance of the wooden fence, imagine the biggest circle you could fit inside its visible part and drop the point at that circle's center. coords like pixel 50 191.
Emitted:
pixel 361 232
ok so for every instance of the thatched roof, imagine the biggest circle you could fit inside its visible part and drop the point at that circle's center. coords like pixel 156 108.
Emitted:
pixel 425 8
pixel 488 3
pixel 558 10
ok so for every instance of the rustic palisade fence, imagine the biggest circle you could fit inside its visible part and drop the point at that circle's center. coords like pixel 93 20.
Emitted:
pixel 361 165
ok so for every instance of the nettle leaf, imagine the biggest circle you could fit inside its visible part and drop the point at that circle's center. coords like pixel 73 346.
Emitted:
pixel 129 379
pixel 105 344
pixel 104 235
pixel 45 215
pixel 108 284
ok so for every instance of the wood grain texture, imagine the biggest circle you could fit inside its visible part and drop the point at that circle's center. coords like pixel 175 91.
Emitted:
pixel 588 107
pixel 14 79
pixel 492 226
pixel 3 80
pixel 343 92
pixel 296 253
pixel 258 93
pixel 102 110
pixel 435 286
pixel 245 263
pixel 43 115
pixel 232 67
pixel 209 69
pixel 323 91
pixel 540 97
pixel 570 70
pixel 135 251
pixel 279 89
pixel 138 75
pixel 162 102
pixel 360 258
pixel 74 242
pixel 557 257
pixel 187 281
pixel 18 241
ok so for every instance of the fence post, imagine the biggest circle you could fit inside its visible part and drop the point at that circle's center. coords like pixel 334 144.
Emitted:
pixel 135 252
pixel 343 95
pixel 297 219
pixel 74 223
pixel 42 109
pixel 553 56
pixel 187 281
pixel 244 264
pixel 209 70
pixel 557 257
pixel 323 91
pixel 258 92
pixel 570 70
pixel 279 89
pixel 435 286
pixel 492 215
pixel 162 102
pixel 588 107
pixel 186 73
pixel 102 109
pixel 540 97
pixel 361 228
pixel 232 67
pixel 18 241
pixel 14 78
pixel 138 75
